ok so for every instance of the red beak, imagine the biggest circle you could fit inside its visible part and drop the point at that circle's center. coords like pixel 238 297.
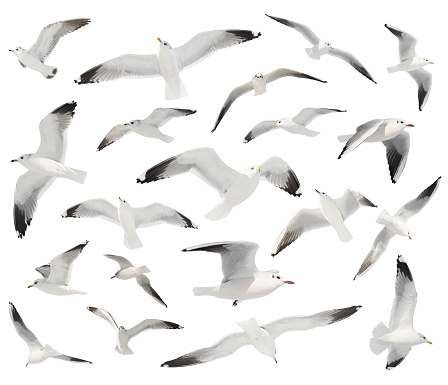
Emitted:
pixel 409 125
pixel 431 62
pixel 410 237
pixel 289 282
pixel 112 277
pixel 317 191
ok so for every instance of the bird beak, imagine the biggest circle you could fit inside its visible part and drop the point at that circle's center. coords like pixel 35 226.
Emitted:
pixel 275 359
pixel 10 50
pixel 30 286
pixel 331 48
pixel 112 277
pixel 120 198
pixel 410 237
pixel 159 40
pixel 289 282
pixel 431 62
pixel 14 160
pixel 275 126
pixel 429 342
pixel 317 191
pixel 409 125
pixel 259 168
pixel 27 362
pixel 126 124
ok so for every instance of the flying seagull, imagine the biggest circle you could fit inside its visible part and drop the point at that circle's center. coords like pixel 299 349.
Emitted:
pixel 332 212
pixel 412 64
pixel 169 62
pixel 321 47
pixel 38 353
pixel 129 218
pixel 242 280
pixel 262 337
pixel 258 84
pixel 57 274
pixel 400 336
pixel 44 166
pixel 35 57
pixel 233 186
pixel 296 125
pixel 129 271
pixel 148 127
pixel 396 225
pixel 388 131
pixel 125 335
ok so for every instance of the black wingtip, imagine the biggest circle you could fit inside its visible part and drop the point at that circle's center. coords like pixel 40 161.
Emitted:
pixel 403 268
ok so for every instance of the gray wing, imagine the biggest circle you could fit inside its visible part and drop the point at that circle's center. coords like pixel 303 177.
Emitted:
pixel 237 258
pixel 416 205
pixel 397 150
pixel 151 324
pixel 235 94
pixel 362 133
pixel 424 82
pixel 157 213
pixel 21 329
pixel 352 60
pixel 61 266
pixel 53 132
pixel 44 270
pixel 160 116
pixel 64 357
pixel 116 133
pixel 377 250
pixel 277 172
pixel 304 220
pixel 205 43
pixel 203 162
pixel 302 323
pixel 93 208
pixel 405 298
pixel 307 115
pixel 396 355
pixel 260 129
pixel 105 315
pixel 125 66
pixel 303 29
pixel 406 42
pixel 50 35
pixel 223 348
pixel 283 72
pixel 143 281
pixel 29 188
pixel 351 201
pixel 122 261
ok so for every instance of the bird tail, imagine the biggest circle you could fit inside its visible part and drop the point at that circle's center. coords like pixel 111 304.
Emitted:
pixel 220 211
pixel 143 269
pixel 50 352
pixel 377 346
pixel 383 218
pixel 77 292
pixel 126 352
pixel 310 53
pixel 344 138
pixel 175 92
pixel 77 175
pixel 308 132
pixel 344 234
pixel 202 290
pixel 393 69
pixel 166 138
pixel 49 72
pixel 132 241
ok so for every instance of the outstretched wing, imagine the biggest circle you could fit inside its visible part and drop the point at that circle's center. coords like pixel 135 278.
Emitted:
pixel 351 201
pixel 21 329
pixel 93 208
pixel 122 261
pixel 277 172
pixel 160 116
pixel 397 150
pixel 143 281
pixel 406 42
pixel 105 315
pixel 44 270
pixel 157 213
pixel 352 60
pixel 307 115
pixel 303 29
pixel 424 82
pixel 260 129
pixel 116 133
pixel 61 266
pixel 151 324
pixel 396 355
pixel 283 72
pixel 362 133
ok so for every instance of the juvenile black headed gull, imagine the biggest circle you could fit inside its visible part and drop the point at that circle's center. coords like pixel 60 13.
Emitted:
pixel 242 280
pixel 125 335
pixel 35 57
pixel 38 352
pixel 262 337
pixel 390 132
pixel 57 275
pixel 129 271
pixel 233 186
pixel 169 62
pixel 331 212
pixel 396 225
pixel 129 218
pixel 400 336
pixel 295 125
pixel 148 127
pixel 321 47
pixel 258 84
pixel 412 64
pixel 45 165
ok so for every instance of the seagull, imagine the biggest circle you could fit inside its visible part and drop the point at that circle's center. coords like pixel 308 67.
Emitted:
pixel 390 132
pixel 400 336
pixel 130 218
pixel 262 337
pixel 295 125
pixel 395 225
pixel 148 127
pixel 44 165
pixel 35 57
pixel 258 84
pixel 57 274
pixel 38 353
pixel 124 335
pixel 412 64
pixel 242 280
pixel 169 62
pixel 129 271
pixel 233 186
pixel 332 212
pixel 321 47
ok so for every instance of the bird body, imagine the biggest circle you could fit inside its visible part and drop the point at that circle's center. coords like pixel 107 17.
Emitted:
pixel 409 65
pixel 259 337
pixel 131 272
pixel 259 84
pixel 318 49
pixel 394 223
pixel 127 221
pixel 28 60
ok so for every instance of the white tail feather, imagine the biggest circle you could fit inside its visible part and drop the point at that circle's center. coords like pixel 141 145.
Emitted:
pixel 344 234
pixel 176 93
pixel 383 218
pixel 202 290
pixel 126 352
pixel 77 175
pixel 377 346
pixel 393 69
pixel 143 269
pixel 311 54
pixel 132 241
pixel 48 72
pixel 219 212
pixel 344 138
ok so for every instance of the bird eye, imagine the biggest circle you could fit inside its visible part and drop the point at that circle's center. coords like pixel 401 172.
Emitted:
pixel 21 157
pixel 164 43
pixel 278 277
pixel 402 122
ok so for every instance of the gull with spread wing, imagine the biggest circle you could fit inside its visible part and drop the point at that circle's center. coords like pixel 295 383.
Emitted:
pixel 129 218
pixel 233 186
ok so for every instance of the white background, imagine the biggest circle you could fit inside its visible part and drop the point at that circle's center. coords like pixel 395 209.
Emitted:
pixel 321 266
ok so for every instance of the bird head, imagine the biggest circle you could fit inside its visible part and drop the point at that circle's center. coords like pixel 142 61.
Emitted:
pixel 324 46
pixel 17 51
pixel 36 283
pixel 22 158
pixel 283 122
pixel 322 195
pixel 164 44
pixel 423 339
pixel 134 123
pixel 425 61
pixel 252 171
